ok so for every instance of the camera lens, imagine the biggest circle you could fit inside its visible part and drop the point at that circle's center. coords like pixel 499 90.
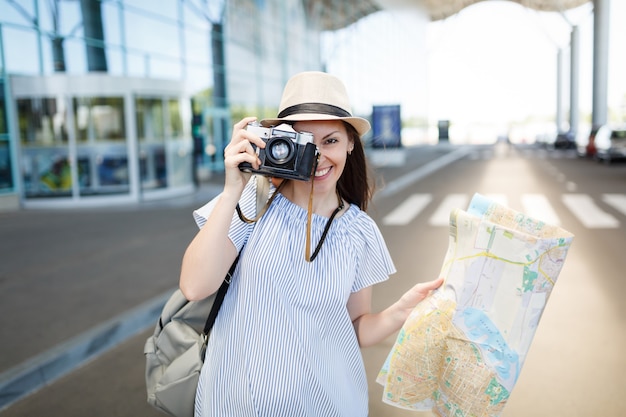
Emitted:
pixel 280 151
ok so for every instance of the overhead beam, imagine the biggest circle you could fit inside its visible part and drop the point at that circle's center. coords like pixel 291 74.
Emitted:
pixel 338 14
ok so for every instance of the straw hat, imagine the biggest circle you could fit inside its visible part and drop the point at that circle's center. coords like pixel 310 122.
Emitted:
pixel 314 95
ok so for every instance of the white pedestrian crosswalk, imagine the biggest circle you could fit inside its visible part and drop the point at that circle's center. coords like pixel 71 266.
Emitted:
pixel 538 206
pixel 588 212
pixel 617 201
pixel 441 216
pixel 591 213
pixel 405 212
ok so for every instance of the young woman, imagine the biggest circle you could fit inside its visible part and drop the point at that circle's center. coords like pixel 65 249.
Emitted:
pixel 287 339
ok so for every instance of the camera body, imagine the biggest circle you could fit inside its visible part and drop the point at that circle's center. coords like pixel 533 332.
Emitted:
pixel 287 153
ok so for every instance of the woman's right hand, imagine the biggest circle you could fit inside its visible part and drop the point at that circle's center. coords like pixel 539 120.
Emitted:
pixel 240 150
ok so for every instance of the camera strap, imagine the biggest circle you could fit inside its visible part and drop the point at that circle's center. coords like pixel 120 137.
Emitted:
pixel 307 254
pixel 262 191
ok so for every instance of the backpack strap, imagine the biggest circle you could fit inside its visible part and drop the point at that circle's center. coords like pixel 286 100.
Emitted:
pixel 219 299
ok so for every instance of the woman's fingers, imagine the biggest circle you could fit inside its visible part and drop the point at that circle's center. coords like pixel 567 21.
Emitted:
pixel 421 290
pixel 239 152
pixel 240 132
pixel 242 146
pixel 418 292
pixel 432 285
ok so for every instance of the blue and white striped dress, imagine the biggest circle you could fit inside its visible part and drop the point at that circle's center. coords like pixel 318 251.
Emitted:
pixel 283 343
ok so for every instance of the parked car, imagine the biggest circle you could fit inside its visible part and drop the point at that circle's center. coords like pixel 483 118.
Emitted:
pixel 565 140
pixel 610 143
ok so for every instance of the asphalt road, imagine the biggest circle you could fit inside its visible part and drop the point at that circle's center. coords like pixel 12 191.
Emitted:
pixel 64 273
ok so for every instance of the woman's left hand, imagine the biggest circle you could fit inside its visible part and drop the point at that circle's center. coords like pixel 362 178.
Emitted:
pixel 373 328
pixel 412 297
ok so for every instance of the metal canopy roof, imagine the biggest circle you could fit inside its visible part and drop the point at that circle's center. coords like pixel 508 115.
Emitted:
pixel 441 9
pixel 337 14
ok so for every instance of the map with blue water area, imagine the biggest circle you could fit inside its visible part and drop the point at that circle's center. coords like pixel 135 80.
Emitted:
pixel 461 350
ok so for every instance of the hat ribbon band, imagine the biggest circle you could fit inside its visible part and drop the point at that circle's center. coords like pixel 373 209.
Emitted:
pixel 314 108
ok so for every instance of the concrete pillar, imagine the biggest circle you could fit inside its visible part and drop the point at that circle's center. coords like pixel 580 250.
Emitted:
pixel 220 99
pixel 94 35
pixel 559 91
pixel 574 80
pixel 600 62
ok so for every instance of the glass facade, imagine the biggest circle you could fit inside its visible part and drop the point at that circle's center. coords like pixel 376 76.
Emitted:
pixel 79 138
pixel 102 137
pixel 98 151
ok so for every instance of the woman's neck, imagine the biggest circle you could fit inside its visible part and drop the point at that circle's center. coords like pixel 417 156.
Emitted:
pixel 299 192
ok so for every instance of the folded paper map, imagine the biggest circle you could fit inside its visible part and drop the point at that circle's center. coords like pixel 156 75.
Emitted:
pixel 461 350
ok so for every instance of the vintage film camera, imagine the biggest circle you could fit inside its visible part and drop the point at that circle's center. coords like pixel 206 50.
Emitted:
pixel 287 154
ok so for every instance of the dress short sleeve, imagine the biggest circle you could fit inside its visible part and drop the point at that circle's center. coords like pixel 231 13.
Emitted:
pixel 374 262
pixel 239 230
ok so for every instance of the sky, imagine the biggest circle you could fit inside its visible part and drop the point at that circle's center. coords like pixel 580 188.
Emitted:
pixel 495 62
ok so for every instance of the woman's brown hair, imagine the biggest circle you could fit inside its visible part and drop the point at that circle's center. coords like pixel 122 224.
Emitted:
pixel 356 185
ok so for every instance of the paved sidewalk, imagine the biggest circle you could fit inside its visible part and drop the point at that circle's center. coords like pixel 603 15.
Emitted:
pixel 76 283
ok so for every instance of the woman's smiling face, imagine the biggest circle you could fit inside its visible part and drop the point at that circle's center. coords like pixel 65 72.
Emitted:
pixel 333 143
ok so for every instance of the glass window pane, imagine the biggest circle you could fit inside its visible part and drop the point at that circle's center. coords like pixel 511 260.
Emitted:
pixel 175 118
pixel 151 135
pixel 45 165
pixel 166 9
pixel 152 166
pixel 20 51
pixel 42 121
pixel 138 64
pixel 111 21
pixel 150 123
pixel 103 169
pixel 46 172
pixel 11 14
pixel 75 56
pixel 168 68
pixel 198 48
pixel 180 154
pixel 102 154
pixel 67 15
pixel 99 119
pixel 155 37
pixel 115 61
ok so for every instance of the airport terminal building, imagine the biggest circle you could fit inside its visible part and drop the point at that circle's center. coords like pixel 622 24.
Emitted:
pixel 105 102
pixel 121 101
